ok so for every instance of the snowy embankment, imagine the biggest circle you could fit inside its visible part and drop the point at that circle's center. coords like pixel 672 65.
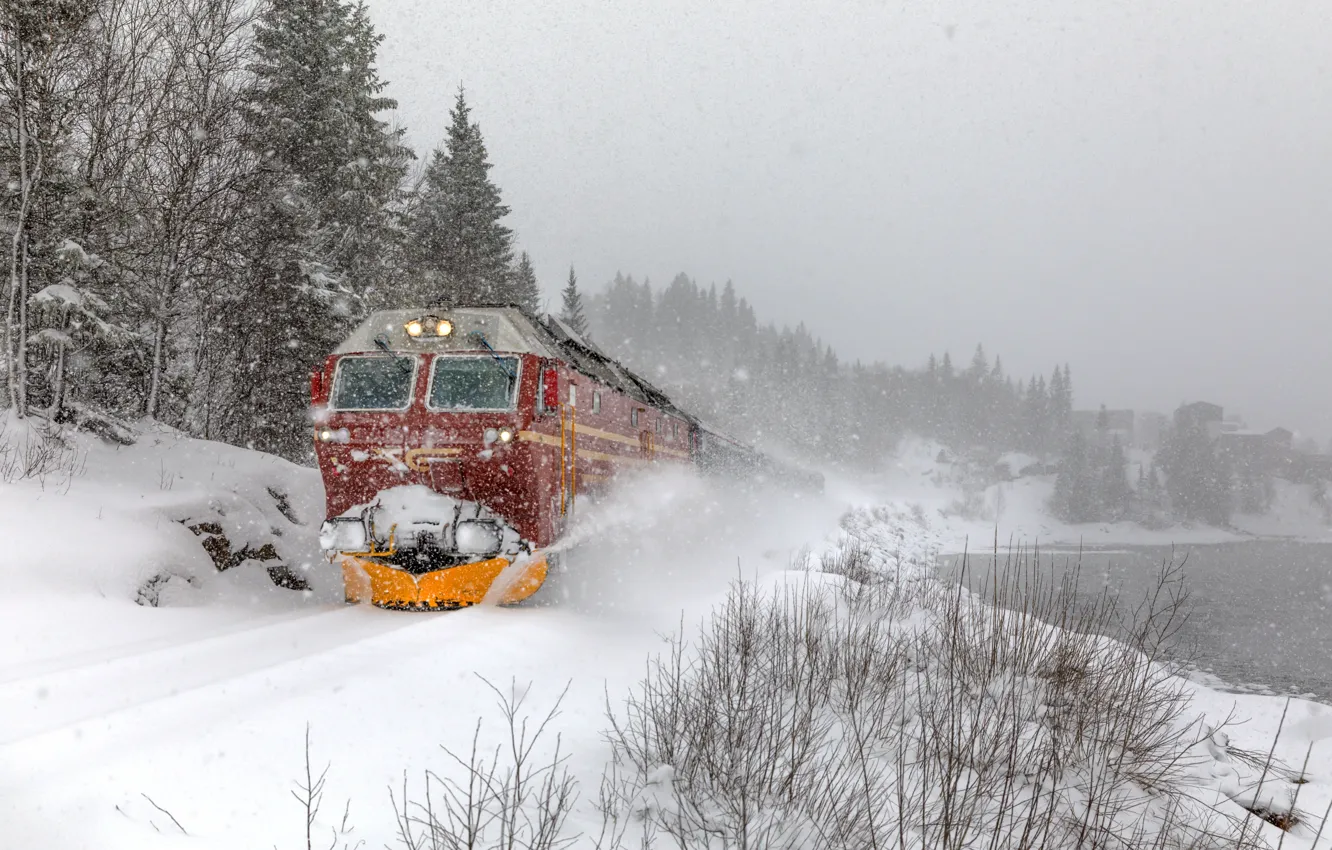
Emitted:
pixel 148 699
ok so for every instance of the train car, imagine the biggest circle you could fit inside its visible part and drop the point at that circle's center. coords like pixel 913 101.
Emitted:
pixel 454 445
pixel 718 454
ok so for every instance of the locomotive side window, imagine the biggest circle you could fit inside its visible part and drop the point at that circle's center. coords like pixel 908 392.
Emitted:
pixel 473 383
pixel 633 417
pixel 372 383
pixel 596 402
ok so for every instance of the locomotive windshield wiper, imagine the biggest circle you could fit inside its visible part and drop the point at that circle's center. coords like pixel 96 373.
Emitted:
pixel 481 338
pixel 403 363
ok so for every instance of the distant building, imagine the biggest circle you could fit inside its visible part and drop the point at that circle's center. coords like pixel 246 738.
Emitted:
pixel 1281 436
pixel 1203 414
pixel 1258 452
pixel 1149 430
pixel 1313 468
pixel 1101 427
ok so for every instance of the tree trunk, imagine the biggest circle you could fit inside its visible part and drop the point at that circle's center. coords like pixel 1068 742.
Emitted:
pixel 155 382
pixel 57 386
pixel 15 373
pixel 22 363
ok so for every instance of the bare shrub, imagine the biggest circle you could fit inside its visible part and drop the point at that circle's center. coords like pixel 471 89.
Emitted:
pixel 42 454
pixel 970 507
pixel 510 799
pixel 1030 716
pixel 1027 690
pixel 761 737
pixel 309 795
pixel 851 561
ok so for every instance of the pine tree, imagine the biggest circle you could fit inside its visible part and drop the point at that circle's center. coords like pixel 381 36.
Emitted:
pixel 571 306
pixel 525 292
pixel 1198 480
pixel 1115 494
pixel 459 249
pixel 1074 491
pixel 329 183
pixel 1064 404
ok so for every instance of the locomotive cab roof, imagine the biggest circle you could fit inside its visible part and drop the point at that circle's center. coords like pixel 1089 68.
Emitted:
pixel 504 328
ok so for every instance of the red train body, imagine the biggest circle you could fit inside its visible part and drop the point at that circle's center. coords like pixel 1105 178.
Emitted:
pixel 493 422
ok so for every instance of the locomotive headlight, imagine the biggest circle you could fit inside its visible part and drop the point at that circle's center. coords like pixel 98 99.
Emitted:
pixel 414 328
pixel 476 537
pixel 334 435
pixel 505 435
pixel 444 327
pixel 343 534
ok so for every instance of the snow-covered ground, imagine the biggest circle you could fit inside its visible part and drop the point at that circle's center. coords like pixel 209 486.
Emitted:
pixel 201 703
pixel 126 724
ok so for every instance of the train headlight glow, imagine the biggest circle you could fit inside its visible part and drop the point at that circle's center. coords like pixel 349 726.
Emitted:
pixel 505 435
pixel 414 328
pixel 444 327
pixel 476 537
pixel 343 534
pixel 334 435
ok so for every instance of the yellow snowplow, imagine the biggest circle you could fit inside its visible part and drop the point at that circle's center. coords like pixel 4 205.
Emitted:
pixel 417 550
pixel 496 580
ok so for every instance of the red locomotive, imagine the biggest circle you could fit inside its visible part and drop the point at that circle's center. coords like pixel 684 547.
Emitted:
pixel 454 445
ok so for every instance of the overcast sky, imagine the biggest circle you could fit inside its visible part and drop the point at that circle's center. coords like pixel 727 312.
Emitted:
pixel 1140 187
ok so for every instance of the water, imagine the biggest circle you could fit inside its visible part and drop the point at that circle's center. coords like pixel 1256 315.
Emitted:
pixel 1261 613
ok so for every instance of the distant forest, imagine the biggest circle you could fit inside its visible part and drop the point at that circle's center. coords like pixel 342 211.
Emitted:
pixel 785 387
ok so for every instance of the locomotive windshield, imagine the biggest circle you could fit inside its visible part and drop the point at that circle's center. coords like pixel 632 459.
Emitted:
pixel 473 383
pixel 372 383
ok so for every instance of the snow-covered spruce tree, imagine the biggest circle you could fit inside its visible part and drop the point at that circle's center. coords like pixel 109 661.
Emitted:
pixel 327 223
pixel 571 306
pixel 80 333
pixel 459 251
pixel 1198 479
pixel 1115 493
pixel 1074 497
pixel 526 292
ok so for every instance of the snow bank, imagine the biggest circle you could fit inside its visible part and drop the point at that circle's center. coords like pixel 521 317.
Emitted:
pixel 111 532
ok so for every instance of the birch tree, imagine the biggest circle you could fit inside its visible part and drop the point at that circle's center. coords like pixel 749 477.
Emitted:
pixel 40 76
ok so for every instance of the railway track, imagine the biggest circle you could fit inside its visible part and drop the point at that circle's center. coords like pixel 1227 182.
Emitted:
pixel 37 698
